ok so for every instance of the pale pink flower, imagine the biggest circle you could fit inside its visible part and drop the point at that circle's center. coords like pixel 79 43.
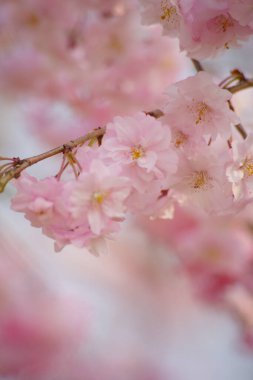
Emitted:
pixel 197 106
pixel 141 145
pixel 36 198
pixel 99 196
pixel 166 12
pixel 184 139
pixel 209 28
pixel 66 229
pixel 45 205
pixel 201 183
pixel 83 212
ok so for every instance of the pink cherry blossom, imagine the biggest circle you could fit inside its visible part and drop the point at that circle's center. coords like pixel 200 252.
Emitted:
pixel 99 197
pixel 203 28
pixel 209 28
pixel 201 182
pixel 198 107
pixel 83 212
pixel 167 12
pixel 36 198
pixel 142 146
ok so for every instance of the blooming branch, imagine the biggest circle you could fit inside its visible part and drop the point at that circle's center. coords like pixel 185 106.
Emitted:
pixel 15 168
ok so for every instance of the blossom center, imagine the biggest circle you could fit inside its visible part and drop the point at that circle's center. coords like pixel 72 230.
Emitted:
pixel 167 11
pixel 99 197
pixel 202 110
pixel 224 23
pixel 247 167
pixel 137 152
pixel 180 139
pixel 201 180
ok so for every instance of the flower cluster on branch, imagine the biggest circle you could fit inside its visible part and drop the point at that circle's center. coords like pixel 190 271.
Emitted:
pixel 134 164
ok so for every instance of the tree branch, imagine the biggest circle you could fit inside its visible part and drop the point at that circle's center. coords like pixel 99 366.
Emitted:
pixel 15 168
pixel 197 65
pixel 242 85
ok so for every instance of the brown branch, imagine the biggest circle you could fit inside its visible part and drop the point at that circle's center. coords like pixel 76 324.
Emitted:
pixel 197 65
pixel 14 168
pixel 156 113
pixel 19 165
pixel 241 130
pixel 242 85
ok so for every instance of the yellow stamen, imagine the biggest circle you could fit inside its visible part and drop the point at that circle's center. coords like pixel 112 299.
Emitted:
pixel 247 167
pixel 180 139
pixel 167 11
pixel 99 197
pixel 200 180
pixel 137 152
pixel 202 110
pixel 224 22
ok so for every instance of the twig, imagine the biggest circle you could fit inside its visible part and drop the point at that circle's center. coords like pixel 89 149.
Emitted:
pixel 197 65
pixel 242 85
pixel 156 113
pixel 241 130
pixel 19 165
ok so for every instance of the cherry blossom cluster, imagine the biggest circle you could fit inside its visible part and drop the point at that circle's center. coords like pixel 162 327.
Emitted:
pixel 100 62
pixel 115 178
pixel 203 27
pixel 145 166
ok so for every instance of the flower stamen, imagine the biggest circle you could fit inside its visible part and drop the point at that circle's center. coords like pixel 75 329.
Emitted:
pixel 202 110
pixel 180 139
pixel 137 152
pixel 247 167
pixel 167 11
pixel 200 180
pixel 99 197
pixel 224 23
